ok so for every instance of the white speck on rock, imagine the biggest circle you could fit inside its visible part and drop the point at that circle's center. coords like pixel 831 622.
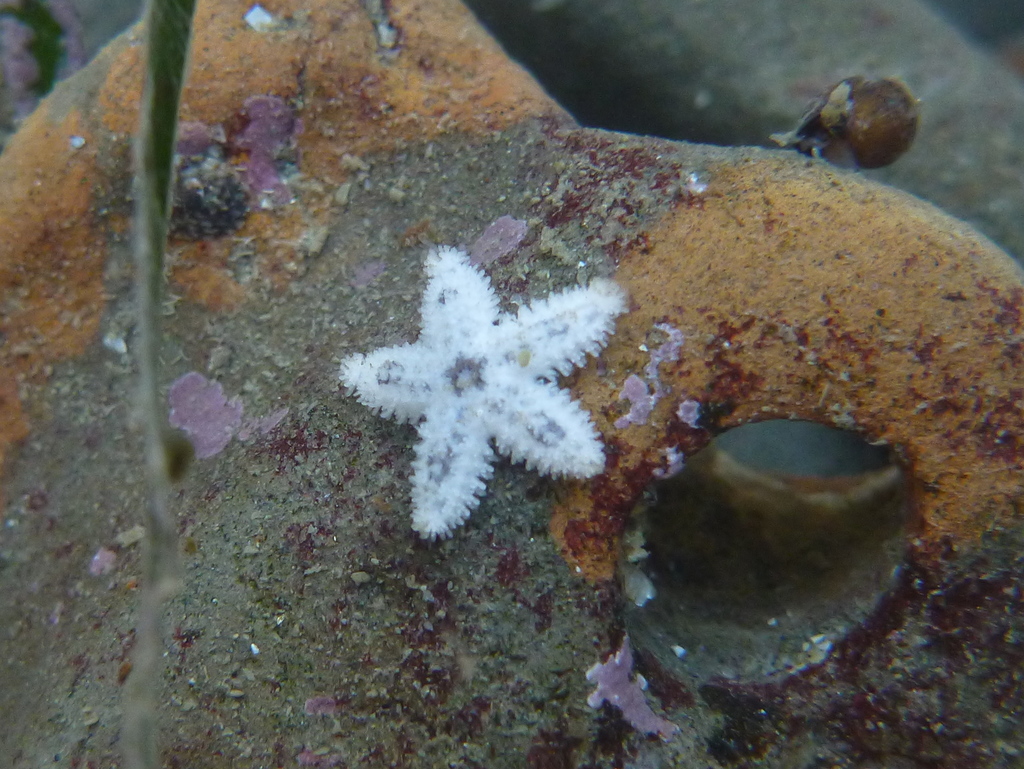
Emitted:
pixel 638 586
pixel 477 375
pixel 258 18
pixel 115 343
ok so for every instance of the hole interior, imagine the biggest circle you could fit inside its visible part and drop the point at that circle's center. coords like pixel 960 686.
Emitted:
pixel 768 547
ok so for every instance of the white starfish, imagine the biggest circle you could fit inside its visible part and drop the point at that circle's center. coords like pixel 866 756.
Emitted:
pixel 477 374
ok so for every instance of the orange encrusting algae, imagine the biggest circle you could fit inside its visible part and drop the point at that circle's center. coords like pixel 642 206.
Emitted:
pixel 819 297
pixel 52 254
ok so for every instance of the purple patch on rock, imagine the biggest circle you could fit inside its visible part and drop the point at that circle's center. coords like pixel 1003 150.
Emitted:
pixel 271 128
pixel 689 412
pixel 635 390
pixel 102 562
pixel 261 425
pixel 199 407
pixel 308 758
pixel 667 352
pixel 641 397
pixel 500 238
pixel 209 419
pixel 675 461
pixel 321 706
pixel 194 138
pixel 366 273
pixel 615 687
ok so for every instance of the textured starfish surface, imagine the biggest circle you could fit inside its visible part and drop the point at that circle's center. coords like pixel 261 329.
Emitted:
pixel 478 375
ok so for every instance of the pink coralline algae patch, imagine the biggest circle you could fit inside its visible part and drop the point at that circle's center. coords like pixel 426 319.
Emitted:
pixel 635 390
pixel 196 138
pixel 366 273
pixel 271 130
pixel 667 352
pixel 261 425
pixel 308 758
pixel 199 407
pixel 209 419
pixel 642 398
pixel 499 239
pixel 102 562
pixel 321 706
pixel 689 412
pixel 675 461
pixel 615 687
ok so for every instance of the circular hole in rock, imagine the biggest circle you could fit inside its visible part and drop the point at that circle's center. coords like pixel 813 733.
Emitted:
pixel 768 547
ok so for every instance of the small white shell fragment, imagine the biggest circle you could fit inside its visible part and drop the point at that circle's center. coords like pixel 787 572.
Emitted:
pixel 131 536
pixel 695 185
pixel 638 587
pixel 387 35
pixel 115 343
pixel 258 18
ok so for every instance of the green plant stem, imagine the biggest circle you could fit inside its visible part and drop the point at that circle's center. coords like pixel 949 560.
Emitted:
pixel 168 24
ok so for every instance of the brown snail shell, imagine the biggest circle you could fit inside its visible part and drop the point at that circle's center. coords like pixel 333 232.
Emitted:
pixel 857 123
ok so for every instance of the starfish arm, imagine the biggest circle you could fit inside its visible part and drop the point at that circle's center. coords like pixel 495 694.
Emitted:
pixel 396 380
pixel 458 301
pixel 556 334
pixel 541 425
pixel 453 462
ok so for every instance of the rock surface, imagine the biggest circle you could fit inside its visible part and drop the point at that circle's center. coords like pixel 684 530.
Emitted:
pixel 314 628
